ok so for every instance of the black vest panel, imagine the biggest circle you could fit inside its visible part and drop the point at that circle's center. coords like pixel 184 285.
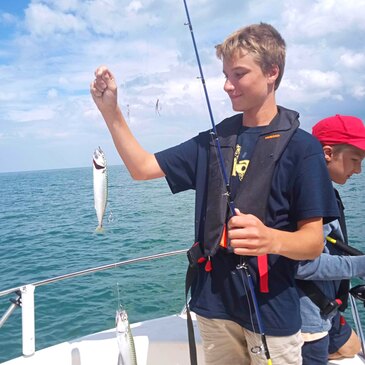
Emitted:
pixel 254 190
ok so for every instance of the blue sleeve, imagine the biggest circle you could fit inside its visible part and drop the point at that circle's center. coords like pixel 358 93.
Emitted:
pixel 179 163
pixel 332 267
pixel 312 187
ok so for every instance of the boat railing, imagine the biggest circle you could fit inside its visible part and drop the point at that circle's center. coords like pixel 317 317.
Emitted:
pixel 25 296
pixel 25 299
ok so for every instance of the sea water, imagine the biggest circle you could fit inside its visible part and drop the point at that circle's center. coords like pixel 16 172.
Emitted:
pixel 47 229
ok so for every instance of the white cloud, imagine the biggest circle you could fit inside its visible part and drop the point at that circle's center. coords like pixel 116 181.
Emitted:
pixel 303 87
pixel 6 18
pixel 353 60
pixel 7 96
pixel 47 63
pixel 51 134
pixel 316 79
pixel 52 93
pixel 323 18
pixel 113 17
pixel 66 5
pixel 36 114
pixel 134 6
pixel 43 21
pixel 359 92
pixel 63 80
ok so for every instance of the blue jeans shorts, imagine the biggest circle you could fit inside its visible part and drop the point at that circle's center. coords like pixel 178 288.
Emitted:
pixel 339 333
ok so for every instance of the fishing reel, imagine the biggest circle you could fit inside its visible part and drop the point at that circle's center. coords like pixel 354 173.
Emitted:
pixel 358 292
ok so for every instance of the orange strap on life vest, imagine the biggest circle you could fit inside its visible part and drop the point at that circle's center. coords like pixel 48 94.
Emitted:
pixel 224 238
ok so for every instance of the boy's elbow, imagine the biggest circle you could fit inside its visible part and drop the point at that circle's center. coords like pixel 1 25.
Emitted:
pixel 316 249
pixel 147 170
pixel 312 230
pixel 146 173
pixel 138 175
pixel 314 254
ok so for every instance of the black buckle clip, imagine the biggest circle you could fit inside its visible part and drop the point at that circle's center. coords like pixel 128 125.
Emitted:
pixel 330 307
pixel 194 254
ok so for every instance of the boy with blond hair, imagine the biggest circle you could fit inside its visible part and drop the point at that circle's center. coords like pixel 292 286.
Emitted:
pixel 273 225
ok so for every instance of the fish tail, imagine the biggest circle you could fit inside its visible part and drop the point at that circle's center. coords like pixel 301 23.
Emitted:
pixel 99 229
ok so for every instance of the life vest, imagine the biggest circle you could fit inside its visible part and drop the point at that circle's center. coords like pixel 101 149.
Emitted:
pixel 253 192
pixel 311 290
pixel 343 290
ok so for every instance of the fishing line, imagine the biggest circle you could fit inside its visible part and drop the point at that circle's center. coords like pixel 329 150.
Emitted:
pixel 119 304
pixel 249 303
pixel 243 265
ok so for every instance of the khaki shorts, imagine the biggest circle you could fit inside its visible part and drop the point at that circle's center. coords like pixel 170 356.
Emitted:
pixel 226 342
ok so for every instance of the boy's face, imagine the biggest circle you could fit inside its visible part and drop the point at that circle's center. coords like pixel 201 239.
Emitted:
pixel 246 84
pixel 345 162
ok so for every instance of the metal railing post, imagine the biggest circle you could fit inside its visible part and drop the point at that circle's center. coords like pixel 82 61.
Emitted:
pixel 28 319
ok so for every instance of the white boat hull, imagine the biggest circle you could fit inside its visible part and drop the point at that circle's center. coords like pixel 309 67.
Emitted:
pixel 161 341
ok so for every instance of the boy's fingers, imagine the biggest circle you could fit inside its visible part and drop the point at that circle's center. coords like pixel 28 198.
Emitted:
pixel 104 79
pixel 94 90
pixel 100 70
pixel 109 80
pixel 236 222
pixel 100 85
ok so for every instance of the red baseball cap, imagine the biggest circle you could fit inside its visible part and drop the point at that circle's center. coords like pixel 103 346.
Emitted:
pixel 340 129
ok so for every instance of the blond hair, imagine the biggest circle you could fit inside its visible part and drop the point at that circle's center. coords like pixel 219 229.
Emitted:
pixel 262 41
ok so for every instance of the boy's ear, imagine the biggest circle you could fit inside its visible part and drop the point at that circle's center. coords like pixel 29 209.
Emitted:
pixel 273 74
pixel 328 153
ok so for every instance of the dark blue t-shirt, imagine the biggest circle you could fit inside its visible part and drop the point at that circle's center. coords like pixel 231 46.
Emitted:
pixel 301 189
pixel 246 141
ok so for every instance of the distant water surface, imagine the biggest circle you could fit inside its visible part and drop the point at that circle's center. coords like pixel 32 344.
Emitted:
pixel 47 222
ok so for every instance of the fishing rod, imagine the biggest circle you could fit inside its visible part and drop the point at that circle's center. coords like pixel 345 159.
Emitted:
pixel 214 133
pixel 243 264
pixel 352 251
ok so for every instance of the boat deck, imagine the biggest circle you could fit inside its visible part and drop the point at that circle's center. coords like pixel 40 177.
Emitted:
pixel 161 341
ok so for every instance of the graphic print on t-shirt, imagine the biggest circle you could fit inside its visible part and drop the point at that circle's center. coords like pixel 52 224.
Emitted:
pixel 240 165
pixel 245 144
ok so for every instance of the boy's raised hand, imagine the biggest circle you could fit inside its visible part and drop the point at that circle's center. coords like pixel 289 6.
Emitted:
pixel 104 90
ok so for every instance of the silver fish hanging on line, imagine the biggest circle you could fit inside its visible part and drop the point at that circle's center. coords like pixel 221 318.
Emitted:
pixel 127 351
pixel 100 178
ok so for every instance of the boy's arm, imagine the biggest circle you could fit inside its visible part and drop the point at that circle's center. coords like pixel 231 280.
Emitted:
pixel 249 236
pixel 141 164
pixel 332 267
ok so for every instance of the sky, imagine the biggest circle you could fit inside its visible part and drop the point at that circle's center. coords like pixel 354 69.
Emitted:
pixel 49 50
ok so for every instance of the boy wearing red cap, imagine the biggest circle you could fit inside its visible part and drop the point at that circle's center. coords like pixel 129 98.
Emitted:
pixel 324 330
